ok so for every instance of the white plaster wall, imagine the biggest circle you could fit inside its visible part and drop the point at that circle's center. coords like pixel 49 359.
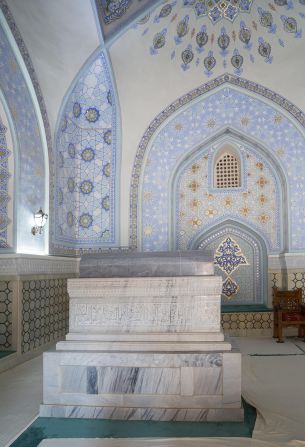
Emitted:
pixel 60 35
pixel 147 84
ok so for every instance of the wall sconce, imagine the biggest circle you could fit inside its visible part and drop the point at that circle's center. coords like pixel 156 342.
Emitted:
pixel 40 219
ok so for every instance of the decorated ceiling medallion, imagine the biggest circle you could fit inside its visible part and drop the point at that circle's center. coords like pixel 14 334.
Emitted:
pixel 228 256
pixel 229 287
pixel 216 10
pixel 114 9
pixel 185 30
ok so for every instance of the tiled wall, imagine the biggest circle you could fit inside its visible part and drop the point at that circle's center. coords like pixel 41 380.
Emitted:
pixel 247 323
pixel 45 312
pixel 6 302
pixel 34 304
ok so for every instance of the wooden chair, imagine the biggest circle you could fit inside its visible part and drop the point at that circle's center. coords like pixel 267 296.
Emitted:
pixel 288 311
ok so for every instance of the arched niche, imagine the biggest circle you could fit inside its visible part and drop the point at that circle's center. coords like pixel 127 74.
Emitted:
pixel 259 202
pixel 87 161
pixel 28 147
pixel 225 105
pixel 240 257
pixel 227 165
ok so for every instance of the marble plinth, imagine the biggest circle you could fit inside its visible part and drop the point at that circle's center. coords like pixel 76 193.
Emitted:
pixel 129 264
pixel 146 386
pixel 144 348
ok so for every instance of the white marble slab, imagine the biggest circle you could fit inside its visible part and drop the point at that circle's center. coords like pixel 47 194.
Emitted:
pixel 138 346
pixel 144 348
pixel 149 305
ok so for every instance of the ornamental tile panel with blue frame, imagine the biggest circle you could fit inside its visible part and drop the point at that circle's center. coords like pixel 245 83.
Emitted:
pixel 86 161
pixel 4 193
pixel 225 108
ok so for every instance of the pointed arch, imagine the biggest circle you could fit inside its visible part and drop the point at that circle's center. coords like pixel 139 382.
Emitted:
pixel 182 127
pixel 87 161
pixel 251 278
pixel 30 144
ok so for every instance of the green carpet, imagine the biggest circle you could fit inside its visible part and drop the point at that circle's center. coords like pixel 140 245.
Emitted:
pixel 5 353
pixel 228 308
pixel 43 428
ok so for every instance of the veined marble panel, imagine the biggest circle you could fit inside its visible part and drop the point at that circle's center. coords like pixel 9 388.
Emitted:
pixel 144 385
pixel 144 414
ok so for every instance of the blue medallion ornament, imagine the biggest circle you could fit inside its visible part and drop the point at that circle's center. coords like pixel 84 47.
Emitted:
pixel 228 256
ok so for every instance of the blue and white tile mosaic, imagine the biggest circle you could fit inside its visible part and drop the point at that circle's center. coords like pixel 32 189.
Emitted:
pixel 5 175
pixel 226 108
pixel 209 33
pixel 86 161
pixel 31 179
pixel 243 277
pixel 199 206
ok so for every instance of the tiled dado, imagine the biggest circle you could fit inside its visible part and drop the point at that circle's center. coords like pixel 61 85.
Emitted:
pixel 45 312
pixel 247 323
pixel 6 302
pixel 33 304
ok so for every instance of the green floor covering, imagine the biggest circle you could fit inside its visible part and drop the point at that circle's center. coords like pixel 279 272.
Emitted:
pixel 5 353
pixel 43 428
pixel 231 308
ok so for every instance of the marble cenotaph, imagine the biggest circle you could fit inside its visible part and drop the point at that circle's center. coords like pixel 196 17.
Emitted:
pixel 144 343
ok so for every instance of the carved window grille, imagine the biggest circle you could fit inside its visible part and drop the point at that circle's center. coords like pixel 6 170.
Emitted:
pixel 227 171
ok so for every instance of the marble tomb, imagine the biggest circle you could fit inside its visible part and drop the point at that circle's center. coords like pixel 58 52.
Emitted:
pixel 144 347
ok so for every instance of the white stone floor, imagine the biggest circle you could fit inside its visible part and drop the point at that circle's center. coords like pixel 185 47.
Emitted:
pixel 263 378
pixel 20 397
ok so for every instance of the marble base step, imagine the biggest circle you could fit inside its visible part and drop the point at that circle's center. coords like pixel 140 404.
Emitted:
pixel 147 346
pixel 143 414
pixel 145 336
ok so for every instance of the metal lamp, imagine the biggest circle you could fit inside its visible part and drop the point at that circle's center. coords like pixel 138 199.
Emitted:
pixel 40 219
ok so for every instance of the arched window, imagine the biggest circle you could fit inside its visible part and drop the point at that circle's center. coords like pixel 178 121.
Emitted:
pixel 227 169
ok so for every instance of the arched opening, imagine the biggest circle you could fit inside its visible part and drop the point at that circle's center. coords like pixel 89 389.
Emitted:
pixel 227 168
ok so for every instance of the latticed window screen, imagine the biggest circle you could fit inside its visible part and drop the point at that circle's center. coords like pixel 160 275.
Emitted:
pixel 227 172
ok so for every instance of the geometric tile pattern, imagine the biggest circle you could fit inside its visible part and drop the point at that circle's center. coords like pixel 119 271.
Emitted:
pixel 45 312
pixel 30 68
pixel 276 129
pixel 6 301
pixel 31 181
pixel 4 187
pixel 86 162
pixel 298 280
pixel 228 256
pixel 229 287
pixel 198 206
pixel 246 320
pixel 201 121
pixel 206 34
pixel 244 285
pixel 274 279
